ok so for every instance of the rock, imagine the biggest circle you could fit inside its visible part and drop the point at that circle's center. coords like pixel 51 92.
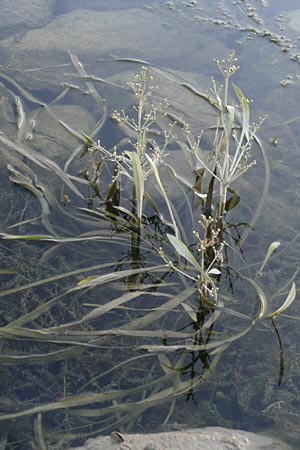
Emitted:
pixel 210 438
pixel 293 20
pixel 138 33
pixel 25 13
pixel 70 5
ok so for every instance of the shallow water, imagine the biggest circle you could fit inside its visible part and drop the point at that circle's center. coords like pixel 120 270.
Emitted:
pixel 181 38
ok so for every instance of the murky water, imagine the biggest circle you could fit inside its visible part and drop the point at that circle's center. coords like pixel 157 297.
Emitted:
pixel 180 40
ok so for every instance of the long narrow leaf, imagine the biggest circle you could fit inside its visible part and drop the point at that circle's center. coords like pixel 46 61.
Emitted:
pixel 270 251
pixel 41 160
pixel 263 306
pixel 139 183
pixel 245 110
pixel 288 301
pixel 163 193
pixel 106 278
pixel 183 251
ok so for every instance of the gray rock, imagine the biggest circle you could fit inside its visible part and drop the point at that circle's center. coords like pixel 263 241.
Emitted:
pixel 210 438
pixel 25 13
pixel 293 20
pixel 137 32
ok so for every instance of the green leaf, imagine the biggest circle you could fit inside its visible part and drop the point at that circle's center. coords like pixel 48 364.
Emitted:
pixel 113 190
pixel 127 212
pixel 163 193
pixel 152 203
pixel 7 271
pixel 183 251
pixel 41 161
pixel 263 302
pixel 139 184
pixel 86 280
pixel 191 312
pixel 288 301
pixel 233 201
pixel 228 119
pixel 270 251
pixel 89 140
pixel 245 105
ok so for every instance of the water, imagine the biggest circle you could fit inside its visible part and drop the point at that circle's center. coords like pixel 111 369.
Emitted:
pixel 104 374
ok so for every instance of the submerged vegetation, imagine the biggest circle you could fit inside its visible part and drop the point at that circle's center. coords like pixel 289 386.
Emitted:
pixel 157 286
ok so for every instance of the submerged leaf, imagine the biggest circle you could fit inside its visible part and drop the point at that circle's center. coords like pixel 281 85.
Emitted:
pixel 7 271
pixel 42 161
pixel 106 278
pixel 262 299
pixel 191 312
pixel 86 280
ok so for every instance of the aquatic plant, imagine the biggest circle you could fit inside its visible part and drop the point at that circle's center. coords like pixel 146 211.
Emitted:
pixel 131 159
pixel 150 309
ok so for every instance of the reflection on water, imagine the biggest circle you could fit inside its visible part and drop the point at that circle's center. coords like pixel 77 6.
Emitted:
pixel 103 352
